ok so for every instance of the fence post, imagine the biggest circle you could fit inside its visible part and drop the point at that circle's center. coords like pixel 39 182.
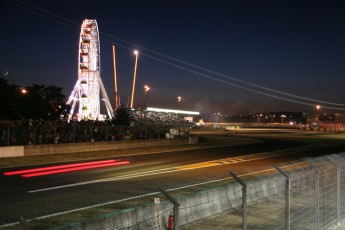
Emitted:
pixel 338 193
pixel 287 195
pixel 176 207
pixel 317 196
pixel 244 200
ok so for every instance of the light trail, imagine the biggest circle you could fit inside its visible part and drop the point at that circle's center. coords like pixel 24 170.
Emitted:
pixel 74 169
pixel 131 176
pixel 34 170
pixel 221 162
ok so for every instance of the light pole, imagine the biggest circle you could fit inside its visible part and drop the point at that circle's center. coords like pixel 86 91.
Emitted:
pixel 259 117
pixel 179 99
pixel 146 88
pixel 116 94
pixel 134 77
pixel 317 113
pixel 282 117
pixel 272 117
pixel 216 114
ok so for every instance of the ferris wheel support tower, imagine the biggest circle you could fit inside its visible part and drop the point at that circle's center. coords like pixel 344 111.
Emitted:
pixel 89 85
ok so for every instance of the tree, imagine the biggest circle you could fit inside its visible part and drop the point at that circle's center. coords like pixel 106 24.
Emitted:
pixel 122 117
pixel 46 102
pixel 8 99
pixel 38 101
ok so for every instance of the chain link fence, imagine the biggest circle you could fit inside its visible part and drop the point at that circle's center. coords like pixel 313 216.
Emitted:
pixel 305 194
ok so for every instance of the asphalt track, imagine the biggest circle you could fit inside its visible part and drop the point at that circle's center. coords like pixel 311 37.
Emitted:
pixel 39 196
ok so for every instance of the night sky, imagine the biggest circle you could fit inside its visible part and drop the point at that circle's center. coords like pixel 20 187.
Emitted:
pixel 297 47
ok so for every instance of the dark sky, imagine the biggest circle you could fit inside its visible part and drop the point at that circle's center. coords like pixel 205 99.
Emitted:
pixel 297 47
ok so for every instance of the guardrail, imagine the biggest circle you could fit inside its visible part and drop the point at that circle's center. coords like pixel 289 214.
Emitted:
pixel 47 149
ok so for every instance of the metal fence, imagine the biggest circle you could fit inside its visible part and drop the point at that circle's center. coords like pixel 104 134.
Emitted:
pixel 310 196
pixel 305 194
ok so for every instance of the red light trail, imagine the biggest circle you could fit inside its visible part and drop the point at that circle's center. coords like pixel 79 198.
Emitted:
pixel 65 168
pixel 56 167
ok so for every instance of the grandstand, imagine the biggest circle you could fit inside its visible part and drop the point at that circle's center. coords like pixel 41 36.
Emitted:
pixel 163 116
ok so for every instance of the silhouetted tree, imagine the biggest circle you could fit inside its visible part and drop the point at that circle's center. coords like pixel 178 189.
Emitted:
pixel 45 102
pixel 38 101
pixel 122 117
pixel 8 99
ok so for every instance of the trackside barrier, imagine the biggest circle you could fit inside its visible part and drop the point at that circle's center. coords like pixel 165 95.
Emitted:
pixel 317 192
pixel 46 149
pixel 306 194
pixel 287 194
pixel 173 220
pixel 11 151
pixel 244 200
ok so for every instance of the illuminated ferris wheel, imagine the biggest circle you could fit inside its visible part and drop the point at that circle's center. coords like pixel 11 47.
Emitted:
pixel 89 84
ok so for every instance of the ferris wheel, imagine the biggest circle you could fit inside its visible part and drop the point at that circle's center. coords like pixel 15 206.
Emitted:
pixel 89 84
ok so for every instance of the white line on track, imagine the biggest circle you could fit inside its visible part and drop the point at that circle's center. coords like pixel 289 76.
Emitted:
pixel 134 175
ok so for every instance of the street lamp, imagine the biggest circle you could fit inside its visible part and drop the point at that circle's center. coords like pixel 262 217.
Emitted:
pixel 217 115
pixel 179 99
pixel 259 116
pixel 282 117
pixel 23 91
pixel 116 93
pixel 272 117
pixel 317 113
pixel 146 88
pixel 136 53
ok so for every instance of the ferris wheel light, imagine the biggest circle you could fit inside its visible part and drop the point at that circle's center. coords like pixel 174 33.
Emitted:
pixel 86 92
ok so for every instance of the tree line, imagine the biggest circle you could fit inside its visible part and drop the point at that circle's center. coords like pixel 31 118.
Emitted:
pixel 41 102
pixel 31 102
